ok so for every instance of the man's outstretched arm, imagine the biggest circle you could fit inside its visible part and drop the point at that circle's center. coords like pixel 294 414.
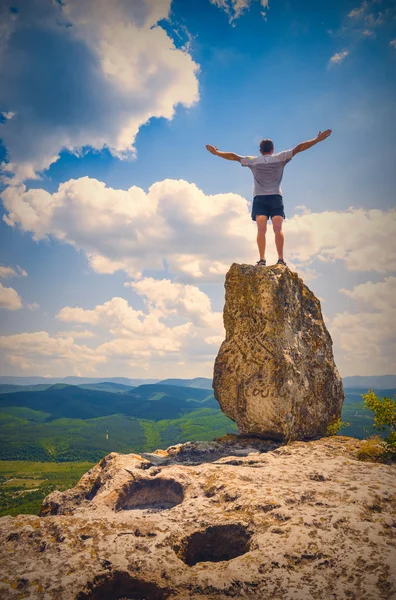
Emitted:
pixel 226 155
pixel 305 145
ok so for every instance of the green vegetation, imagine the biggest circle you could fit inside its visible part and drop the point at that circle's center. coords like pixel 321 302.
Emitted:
pixel 359 417
pixel 24 484
pixel 60 440
pixel 384 410
pixel 64 423
pixel 372 449
pixel 336 427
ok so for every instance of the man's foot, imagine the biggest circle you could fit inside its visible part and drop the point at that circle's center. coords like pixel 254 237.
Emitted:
pixel 281 262
pixel 261 263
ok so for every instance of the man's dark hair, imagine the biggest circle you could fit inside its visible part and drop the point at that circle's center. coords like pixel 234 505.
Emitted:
pixel 266 145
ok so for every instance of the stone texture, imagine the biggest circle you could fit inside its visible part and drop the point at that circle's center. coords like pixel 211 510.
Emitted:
pixel 235 518
pixel 275 374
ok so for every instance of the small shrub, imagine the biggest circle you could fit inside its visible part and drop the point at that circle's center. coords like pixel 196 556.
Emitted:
pixel 372 449
pixel 335 427
pixel 384 410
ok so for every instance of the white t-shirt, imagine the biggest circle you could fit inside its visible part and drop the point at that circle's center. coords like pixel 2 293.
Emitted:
pixel 267 171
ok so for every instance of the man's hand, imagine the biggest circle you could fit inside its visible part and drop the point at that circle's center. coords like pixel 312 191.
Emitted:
pixel 212 149
pixel 323 135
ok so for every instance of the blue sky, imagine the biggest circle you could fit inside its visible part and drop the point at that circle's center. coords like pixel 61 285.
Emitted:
pixel 123 225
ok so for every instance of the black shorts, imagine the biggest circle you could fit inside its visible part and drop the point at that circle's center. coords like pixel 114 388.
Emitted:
pixel 271 206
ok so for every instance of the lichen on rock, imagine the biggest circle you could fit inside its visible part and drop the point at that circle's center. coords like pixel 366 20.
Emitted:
pixel 275 374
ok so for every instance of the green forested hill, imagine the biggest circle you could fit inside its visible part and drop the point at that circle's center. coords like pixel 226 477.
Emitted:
pixel 65 422
pixel 198 382
pixel 69 423
pixel 142 402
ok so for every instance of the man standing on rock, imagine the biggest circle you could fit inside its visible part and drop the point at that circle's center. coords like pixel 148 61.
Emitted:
pixel 267 172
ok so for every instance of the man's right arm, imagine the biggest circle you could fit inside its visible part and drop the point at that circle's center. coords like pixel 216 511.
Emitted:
pixel 305 145
pixel 226 155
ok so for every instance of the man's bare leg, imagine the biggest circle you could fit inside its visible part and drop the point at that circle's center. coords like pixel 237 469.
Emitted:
pixel 261 221
pixel 277 223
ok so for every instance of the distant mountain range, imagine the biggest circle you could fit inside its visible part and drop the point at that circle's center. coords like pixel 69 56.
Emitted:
pixel 120 384
pixel 10 379
pixel 377 382
pixel 60 422
pixel 68 422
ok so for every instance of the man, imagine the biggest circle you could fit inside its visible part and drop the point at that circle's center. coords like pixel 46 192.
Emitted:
pixel 267 172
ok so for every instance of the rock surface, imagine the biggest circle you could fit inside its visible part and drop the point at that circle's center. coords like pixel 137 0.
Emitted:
pixel 234 518
pixel 274 374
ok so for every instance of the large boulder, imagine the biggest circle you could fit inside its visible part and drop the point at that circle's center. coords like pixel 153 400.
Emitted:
pixel 275 374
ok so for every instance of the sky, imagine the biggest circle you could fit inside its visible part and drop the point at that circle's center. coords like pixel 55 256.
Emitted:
pixel 117 226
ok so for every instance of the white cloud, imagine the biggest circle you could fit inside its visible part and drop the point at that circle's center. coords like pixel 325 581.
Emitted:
pixel 33 306
pixel 178 325
pixel 364 239
pixel 6 272
pixel 8 115
pixel 339 57
pixel 379 296
pixel 136 333
pixel 75 334
pixel 119 69
pixel 393 43
pixel 198 235
pixel 235 8
pixel 39 352
pixel 365 341
pixel 132 230
pixel 165 298
pixel 9 298
pixel 357 13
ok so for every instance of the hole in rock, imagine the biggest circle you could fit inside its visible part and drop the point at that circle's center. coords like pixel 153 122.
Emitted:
pixel 156 493
pixel 121 586
pixel 217 543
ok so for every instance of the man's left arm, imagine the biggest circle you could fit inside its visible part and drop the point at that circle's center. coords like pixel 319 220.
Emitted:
pixel 322 135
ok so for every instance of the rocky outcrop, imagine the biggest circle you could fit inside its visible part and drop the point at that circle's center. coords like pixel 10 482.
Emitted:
pixel 275 374
pixel 235 518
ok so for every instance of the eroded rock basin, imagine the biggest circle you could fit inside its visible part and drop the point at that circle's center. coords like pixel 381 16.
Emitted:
pixel 236 518
pixel 216 543
pixel 120 585
pixel 158 493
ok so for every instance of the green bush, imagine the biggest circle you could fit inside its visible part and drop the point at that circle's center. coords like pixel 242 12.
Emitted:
pixel 335 427
pixel 384 410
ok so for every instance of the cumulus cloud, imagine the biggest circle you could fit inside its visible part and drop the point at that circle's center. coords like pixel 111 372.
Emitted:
pixel 193 232
pixel 380 296
pixel 9 298
pixel 76 334
pixel 119 69
pixel 6 272
pixel 364 239
pixel 365 341
pixel 178 324
pixel 339 57
pixel 161 337
pixel 235 8
pixel 39 352
pixel 132 230
pixel 166 298
pixel 393 43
